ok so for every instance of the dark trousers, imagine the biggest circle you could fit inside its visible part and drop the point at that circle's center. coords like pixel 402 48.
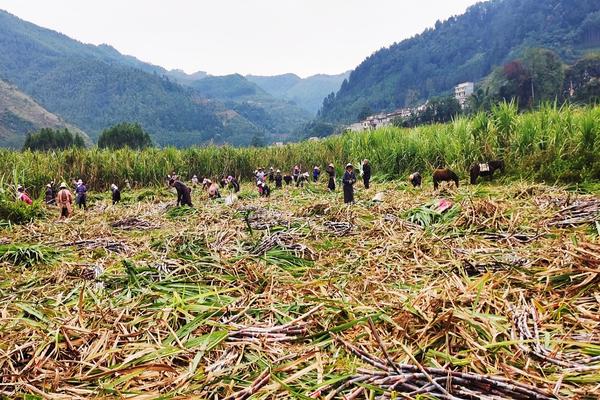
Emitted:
pixel 348 194
pixel 366 180
pixel 81 201
pixel 331 183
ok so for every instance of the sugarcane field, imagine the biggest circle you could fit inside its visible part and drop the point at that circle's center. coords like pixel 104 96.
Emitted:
pixel 481 291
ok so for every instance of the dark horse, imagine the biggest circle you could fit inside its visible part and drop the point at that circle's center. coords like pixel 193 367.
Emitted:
pixel 443 175
pixel 486 169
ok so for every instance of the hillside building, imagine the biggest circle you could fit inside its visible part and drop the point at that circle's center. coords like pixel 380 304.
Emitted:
pixel 463 91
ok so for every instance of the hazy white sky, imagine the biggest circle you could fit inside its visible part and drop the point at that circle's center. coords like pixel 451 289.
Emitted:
pixel 264 37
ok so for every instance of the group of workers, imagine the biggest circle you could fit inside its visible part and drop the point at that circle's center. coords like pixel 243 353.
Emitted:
pixel 63 198
pixel 301 178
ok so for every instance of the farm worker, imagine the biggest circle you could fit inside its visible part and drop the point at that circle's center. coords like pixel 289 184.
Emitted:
pixel 22 196
pixel 116 194
pixel 183 192
pixel 331 172
pixel 301 179
pixel 194 181
pixel 263 189
pixel 81 195
pixel 127 185
pixel 64 199
pixel 271 175
pixel 366 173
pixel 288 179
pixel 296 173
pixel 278 179
pixel 233 183
pixel 50 196
pixel 316 173
pixel 212 189
pixel 349 180
pixel 260 174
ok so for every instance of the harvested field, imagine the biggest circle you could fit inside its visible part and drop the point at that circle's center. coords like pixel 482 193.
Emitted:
pixel 299 296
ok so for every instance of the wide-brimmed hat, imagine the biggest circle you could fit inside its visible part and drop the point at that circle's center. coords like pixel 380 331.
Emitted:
pixel 349 165
pixel 80 182
pixel 63 185
pixel 19 187
pixel 331 165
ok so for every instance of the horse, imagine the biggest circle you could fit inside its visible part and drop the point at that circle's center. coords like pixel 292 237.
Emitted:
pixel 486 169
pixel 415 179
pixel 443 175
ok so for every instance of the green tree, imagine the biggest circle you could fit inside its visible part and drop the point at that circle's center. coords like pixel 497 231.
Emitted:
pixel 49 139
pixel 582 80
pixel 125 135
pixel 547 74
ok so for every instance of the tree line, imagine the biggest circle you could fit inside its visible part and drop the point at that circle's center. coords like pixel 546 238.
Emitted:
pixel 120 136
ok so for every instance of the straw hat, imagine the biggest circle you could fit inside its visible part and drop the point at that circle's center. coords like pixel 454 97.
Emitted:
pixel 63 186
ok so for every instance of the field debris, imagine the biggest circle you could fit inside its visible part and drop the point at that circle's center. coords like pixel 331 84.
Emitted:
pixel 301 296
pixel 338 228
pixel 133 223
pixel 579 212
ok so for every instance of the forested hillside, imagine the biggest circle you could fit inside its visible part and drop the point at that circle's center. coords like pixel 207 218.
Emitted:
pixel 96 87
pixel 277 119
pixel 20 114
pixel 464 48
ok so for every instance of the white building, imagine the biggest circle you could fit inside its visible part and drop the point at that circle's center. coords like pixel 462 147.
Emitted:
pixel 463 91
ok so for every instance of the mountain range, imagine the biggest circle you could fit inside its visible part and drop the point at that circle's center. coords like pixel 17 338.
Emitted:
pixel 94 87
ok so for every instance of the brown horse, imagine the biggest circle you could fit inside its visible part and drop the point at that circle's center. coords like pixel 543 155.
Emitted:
pixel 486 169
pixel 443 175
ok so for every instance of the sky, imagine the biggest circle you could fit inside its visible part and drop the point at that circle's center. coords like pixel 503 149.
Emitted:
pixel 260 37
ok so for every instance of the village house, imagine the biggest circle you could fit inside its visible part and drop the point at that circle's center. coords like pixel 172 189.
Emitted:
pixel 463 91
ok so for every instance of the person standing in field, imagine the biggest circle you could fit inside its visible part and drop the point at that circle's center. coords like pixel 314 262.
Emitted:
pixel 260 174
pixel 50 195
pixel 296 173
pixel 348 181
pixel 271 175
pixel 194 181
pixel 184 196
pixel 64 199
pixel 331 172
pixel 116 194
pixel 81 195
pixel 316 173
pixel 366 173
pixel 278 179
pixel 23 196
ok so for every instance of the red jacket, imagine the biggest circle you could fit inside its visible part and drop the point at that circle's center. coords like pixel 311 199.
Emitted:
pixel 25 198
